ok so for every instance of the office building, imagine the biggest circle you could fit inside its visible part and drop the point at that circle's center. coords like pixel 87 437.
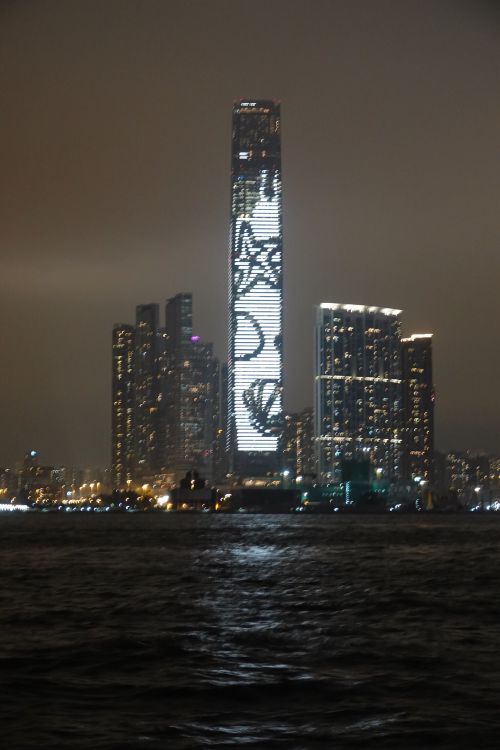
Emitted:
pixel 418 409
pixel 255 367
pixel 123 405
pixel 358 391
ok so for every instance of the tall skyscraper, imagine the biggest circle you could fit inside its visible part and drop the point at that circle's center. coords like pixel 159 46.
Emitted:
pixel 358 389
pixel 178 324
pixel 418 408
pixel 191 390
pixel 147 391
pixel 123 405
pixel 255 367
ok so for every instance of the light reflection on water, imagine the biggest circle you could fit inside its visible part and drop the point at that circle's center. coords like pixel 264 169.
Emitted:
pixel 255 552
pixel 213 631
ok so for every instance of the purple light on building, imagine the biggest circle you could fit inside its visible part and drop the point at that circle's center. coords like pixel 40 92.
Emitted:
pixel 195 338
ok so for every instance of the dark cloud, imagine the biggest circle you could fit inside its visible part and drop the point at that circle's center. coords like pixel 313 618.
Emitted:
pixel 114 146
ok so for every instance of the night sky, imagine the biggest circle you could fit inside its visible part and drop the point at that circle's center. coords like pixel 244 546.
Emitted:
pixel 114 151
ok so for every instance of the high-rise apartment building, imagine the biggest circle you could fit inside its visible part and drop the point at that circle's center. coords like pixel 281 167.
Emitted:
pixel 178 324
pixel 418 408
pixel 147 391
pixel 306 461
pixel 191 393
pixel 255 367
pixel 289 443
pixel 358 389
pixel 123 405
pixel 166 399
pixel 298 454
pixel 221 465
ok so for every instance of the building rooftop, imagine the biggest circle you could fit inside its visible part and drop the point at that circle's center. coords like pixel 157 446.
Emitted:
pixel 359 308
pixel 416 336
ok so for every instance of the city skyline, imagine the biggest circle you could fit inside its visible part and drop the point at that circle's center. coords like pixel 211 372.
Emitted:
pixel 389 198
pixel 166 404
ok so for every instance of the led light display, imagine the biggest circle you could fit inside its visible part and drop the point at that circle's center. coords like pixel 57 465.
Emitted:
pixel 256 296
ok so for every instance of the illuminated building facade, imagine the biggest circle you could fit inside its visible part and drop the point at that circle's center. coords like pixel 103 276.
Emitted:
pixel 298 444
pixel 123 401
pixel 465 469
pixel 289 443
pixel 147 391
pixel 166 415
pixel 191 394
pixel 255 385
pixel 306 463
pixel 221 465
pixel 418 408
pixel 358 390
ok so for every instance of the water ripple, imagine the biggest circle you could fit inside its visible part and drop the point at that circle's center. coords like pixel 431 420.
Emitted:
pixel 255 631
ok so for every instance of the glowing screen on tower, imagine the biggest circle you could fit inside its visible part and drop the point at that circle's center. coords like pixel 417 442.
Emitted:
pixel 256 266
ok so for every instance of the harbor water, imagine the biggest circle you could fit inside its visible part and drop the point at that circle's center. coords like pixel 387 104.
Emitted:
pixel 183 631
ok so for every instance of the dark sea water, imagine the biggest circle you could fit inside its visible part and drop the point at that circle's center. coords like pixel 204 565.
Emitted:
pixel 190 631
